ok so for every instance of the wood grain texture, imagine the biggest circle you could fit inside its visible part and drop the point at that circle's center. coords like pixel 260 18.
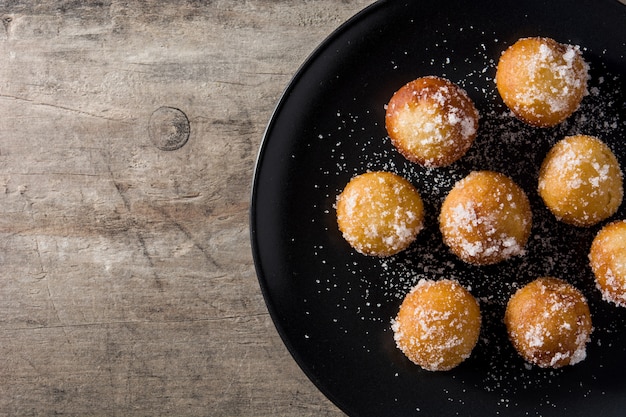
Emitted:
pixel 127 286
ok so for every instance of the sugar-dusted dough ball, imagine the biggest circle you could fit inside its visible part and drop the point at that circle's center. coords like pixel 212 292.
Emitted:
pixel 580 181
pixel 542 81
pixel 549 323
pixel 438 324
pixel 608 262
pixel 431 121
pixel 486 218
pixel 379 213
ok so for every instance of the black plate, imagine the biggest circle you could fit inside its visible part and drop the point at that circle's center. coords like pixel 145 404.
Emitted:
pixel 333 306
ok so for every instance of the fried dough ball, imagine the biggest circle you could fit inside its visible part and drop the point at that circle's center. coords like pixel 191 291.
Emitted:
pixel 608 262
pixel 542 81
pixel 486 218
pixel 580 181
pixel 431 121
pixel 379 213
pixel 438 324
pixel 549 323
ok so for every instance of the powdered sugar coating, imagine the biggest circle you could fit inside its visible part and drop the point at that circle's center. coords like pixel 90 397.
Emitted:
pixel 379 213
pixel 580 181
pixel 438 324
pixel 542 81
pixel 549 323
pixel 431 121
pixel 486 218
pixel 607 257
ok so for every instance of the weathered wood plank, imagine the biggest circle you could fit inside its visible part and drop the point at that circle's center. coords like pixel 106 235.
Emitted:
pixel 126 282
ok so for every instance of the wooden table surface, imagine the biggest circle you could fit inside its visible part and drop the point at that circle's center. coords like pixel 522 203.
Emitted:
pixel 128 136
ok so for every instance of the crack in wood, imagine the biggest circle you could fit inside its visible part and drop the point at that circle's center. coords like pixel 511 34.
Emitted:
pixel 234 317
pixel 207 255
pixel 63 108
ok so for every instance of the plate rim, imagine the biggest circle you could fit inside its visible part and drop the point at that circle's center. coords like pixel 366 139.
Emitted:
pixel 252 220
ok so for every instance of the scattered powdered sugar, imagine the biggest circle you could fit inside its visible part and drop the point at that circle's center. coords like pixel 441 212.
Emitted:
pixel 369 290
